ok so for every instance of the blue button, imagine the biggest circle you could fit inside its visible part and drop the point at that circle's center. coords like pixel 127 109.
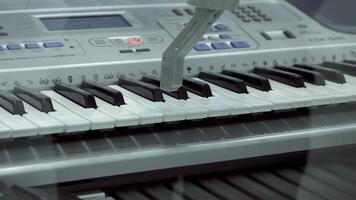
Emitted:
pixel 221 27
pixel 225 36
pixel 14 47
pixel 220 46
pixel 32 46
pixel 53 44
pixel 202 47
pixel 240 44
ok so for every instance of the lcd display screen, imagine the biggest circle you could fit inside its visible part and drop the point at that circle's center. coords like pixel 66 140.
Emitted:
pixel 85 22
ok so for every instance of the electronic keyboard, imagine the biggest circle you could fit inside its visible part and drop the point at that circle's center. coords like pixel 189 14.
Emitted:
pixel 80 93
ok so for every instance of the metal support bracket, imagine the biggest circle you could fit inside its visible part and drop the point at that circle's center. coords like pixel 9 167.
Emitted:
pixel 206 14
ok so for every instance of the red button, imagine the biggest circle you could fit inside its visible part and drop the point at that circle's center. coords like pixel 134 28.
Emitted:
pixel 135 41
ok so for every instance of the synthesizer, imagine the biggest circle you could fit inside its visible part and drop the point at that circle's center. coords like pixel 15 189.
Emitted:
pixel 80 89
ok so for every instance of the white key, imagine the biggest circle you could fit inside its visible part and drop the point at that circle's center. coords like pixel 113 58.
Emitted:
pixel 97 119
pixel 300 101
pixel 71 121
pixel 170 113
pixel 317 97
pixel 5 132
pixel 123 117
pixel 45 123
pixel 337 95
pixel 257 105
pixel 347 88
pixel 215 106
pixel 192 109
pixel 20 127
pixel 147 115
pixel 279 102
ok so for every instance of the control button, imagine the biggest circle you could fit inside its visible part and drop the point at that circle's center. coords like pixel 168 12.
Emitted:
pixel 1 49
pixel 14 47
pixel 221 27
pixel 53 44
pixel 289 35
pixel 220 46
pixel 225 36
pixel 1 27
pixel 246 20
pixel 118 41
pixel 135 41
pixel 189 11
pixel 3 34
pixel 177 12
pixel 100 42
pixel 266 36
pixel 153 39
pixel 214 37
pixel 127 51
pixel 143 50
pixel 256 19
pixel 240 44
pixel 202 47
pixel 32 46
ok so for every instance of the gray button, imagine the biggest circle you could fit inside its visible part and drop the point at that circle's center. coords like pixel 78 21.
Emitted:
pixel 153 39
pixel 100 42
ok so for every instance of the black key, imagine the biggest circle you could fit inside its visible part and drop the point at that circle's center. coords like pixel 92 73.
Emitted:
pixel 11 103
pixel 312 77
pixel 350 61
pixel 251 80
pixel 77 95
pixel 227 82
pixel 35 99
pixel 329 74
pixel 105 93
pixel 346 68
pixel 197 87
pixel 181 93
pixel 142 89
pixel 288 78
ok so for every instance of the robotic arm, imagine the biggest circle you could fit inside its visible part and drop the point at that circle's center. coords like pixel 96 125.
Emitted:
pixel 207 12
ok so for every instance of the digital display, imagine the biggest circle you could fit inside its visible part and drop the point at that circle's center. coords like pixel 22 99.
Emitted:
pixel 85 22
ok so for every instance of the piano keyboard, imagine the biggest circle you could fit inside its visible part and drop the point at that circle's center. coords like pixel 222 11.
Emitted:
pixel 319 178
pixel 25 112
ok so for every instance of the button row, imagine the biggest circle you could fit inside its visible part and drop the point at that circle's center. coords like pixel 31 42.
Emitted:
pixel 135 50
pixel 180 13
pixel 251 13
pixel 217 37
pixel 221 46
pixel 33 45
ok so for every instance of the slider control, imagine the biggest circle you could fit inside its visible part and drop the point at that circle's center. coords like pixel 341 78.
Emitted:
pixel 142 89
pixel 11 103
pixel 77 95
pixel 35 99
pixel 227 82
pixel 105 93
pixel 180 94
pixel 251 80
pixel 287 78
